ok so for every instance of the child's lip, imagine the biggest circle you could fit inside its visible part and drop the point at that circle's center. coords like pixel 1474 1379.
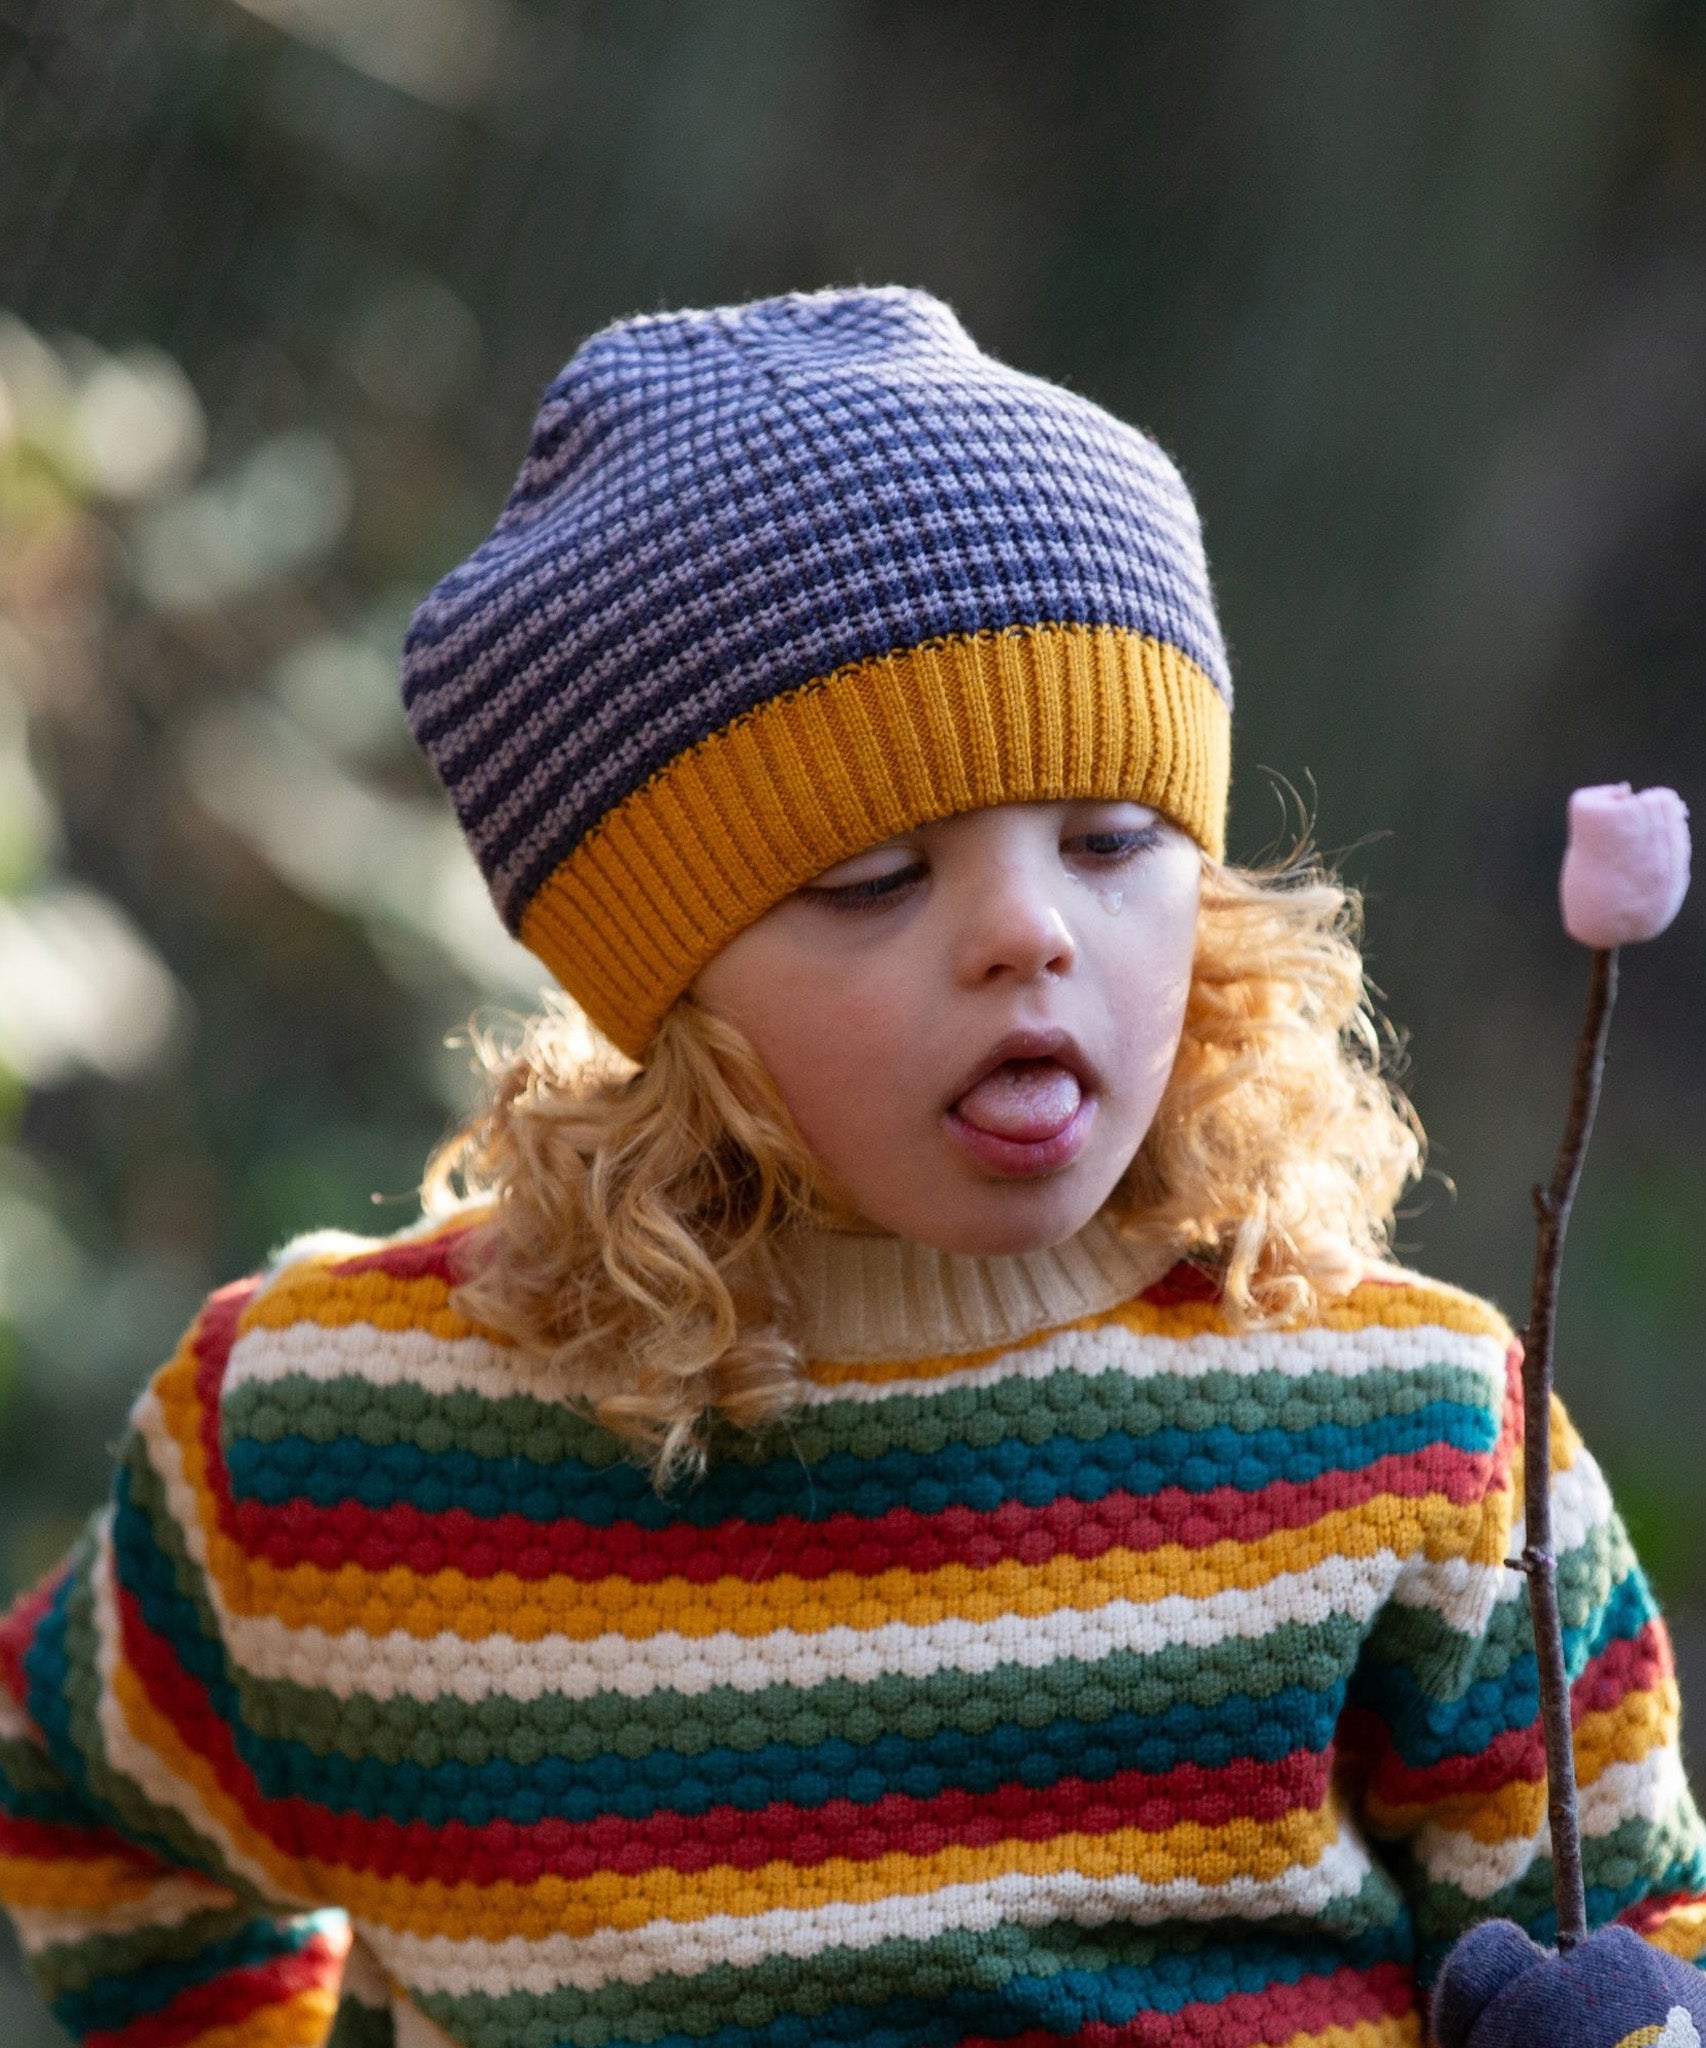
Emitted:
pixel 1018 1159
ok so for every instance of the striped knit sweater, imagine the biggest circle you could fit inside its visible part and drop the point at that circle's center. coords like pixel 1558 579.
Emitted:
pixel 1064 1668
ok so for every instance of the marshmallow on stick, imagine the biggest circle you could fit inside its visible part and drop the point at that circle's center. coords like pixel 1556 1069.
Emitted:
pixel 1624 876
pixel 1625 869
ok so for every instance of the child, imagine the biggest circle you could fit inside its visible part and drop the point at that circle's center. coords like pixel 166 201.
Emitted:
pixel 905 1502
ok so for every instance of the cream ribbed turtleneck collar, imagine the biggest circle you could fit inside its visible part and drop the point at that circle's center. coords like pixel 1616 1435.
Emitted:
pixel 872 1296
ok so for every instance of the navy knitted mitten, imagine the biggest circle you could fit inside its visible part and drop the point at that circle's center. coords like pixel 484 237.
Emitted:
pixel 1500 1990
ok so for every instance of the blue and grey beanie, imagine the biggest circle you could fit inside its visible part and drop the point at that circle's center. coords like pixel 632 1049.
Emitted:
pixel 778 581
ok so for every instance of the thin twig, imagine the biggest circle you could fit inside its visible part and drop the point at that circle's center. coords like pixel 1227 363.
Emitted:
pixel 1552 1209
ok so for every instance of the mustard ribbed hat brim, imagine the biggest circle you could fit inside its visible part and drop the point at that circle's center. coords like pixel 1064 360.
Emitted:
pixel 756 810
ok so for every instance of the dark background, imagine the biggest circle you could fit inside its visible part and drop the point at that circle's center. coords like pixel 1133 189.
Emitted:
pixel 1415 295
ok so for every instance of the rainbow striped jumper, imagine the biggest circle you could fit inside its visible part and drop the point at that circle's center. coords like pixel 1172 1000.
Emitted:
pixel 1064 1668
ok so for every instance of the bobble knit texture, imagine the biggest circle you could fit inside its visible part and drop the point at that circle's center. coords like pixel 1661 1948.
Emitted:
pixel 1120 1679
pixel 779 581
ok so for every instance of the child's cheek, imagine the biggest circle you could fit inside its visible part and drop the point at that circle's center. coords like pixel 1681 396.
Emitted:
pixel 855 1051
pixel 846 1060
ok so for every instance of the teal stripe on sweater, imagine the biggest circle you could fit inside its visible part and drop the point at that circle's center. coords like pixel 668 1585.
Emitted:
pixel 980 1477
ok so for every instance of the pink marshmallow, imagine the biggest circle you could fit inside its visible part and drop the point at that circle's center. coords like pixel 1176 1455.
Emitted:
pixel 1625 868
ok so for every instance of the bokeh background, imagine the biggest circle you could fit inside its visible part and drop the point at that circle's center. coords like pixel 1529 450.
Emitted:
pixel 1415 295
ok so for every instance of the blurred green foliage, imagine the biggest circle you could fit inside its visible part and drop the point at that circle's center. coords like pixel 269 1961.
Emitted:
pixel 1416 296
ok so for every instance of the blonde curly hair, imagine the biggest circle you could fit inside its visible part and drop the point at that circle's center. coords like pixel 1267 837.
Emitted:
pixel 627 1247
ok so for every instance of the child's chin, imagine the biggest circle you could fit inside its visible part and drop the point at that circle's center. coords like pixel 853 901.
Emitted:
pixel 1001 1218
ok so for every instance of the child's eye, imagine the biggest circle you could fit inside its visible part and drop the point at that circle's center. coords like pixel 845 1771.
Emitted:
pixel 874 890
pixel 1110 848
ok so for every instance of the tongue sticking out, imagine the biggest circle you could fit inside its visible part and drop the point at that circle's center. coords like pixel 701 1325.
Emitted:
pixel 1024 1100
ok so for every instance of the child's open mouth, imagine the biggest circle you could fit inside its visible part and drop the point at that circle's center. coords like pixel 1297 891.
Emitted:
pixel 1025 1117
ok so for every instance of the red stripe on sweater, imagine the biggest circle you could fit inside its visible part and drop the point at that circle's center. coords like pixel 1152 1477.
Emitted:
pixel 227 2001
pixel 419 1258
pixel 727 1838
pixel 18 1632
pixel 1243 2019
pixel 1635 1664
pixel 62 1841
pixel 507 1850
pixel 1646 1913
pixel 376 1539
pixel 1181 1283
pixel 211 1340
pixel 1638 1663
pixel 1510 1433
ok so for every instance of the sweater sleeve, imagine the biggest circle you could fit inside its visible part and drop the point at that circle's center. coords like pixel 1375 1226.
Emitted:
pixel 1441 1740
pixel 143 1914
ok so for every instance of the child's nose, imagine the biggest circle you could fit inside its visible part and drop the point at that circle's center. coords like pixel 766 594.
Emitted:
pixel 1018 931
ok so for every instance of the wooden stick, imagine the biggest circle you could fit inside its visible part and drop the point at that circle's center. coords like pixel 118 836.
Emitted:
pixel 1552 1208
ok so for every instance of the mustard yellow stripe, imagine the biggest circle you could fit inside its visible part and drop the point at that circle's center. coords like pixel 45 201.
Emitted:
pixel 1405 1305
pixel 300 2022
pixel 83 1884
pixel 1415 1302
pixel 1032 713
pixel 1262 1851
pixel 312 1293
pixel 1403 2031
pixel 1681 1932
pixel 1567 1447
pixel 1639 1723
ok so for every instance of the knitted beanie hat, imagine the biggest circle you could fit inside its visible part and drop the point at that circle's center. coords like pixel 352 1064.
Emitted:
pixel 779 581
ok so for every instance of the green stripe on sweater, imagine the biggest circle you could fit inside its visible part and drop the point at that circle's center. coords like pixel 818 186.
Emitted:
pixel 1315 1656
pixel 73 1966
pixel 1064 1403
pixel 1443 1660
pixel 755 1994
pixel 136 1813
pixel 359 2025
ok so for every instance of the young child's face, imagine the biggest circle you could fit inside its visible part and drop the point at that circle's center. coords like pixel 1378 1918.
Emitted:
pixel 972 1024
